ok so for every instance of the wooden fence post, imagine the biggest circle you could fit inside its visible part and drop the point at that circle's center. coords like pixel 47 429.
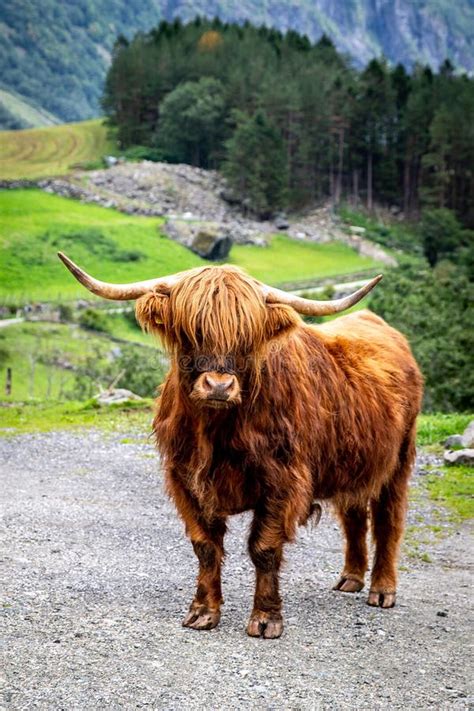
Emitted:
pixel 8 383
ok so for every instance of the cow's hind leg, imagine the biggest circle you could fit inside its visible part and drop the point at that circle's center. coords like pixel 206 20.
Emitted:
pixel 354 524
pixel 388 524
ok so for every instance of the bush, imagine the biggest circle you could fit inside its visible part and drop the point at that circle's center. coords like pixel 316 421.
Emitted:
pixel 94 241
pixel 139 153
pixel 396 235
pixel 144 369
pixel 65 313
pixel 441 235
pixel 434 309
pixel 94 320
pixel 135 368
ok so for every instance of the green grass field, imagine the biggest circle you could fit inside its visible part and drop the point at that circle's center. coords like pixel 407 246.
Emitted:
pixel 292 261
pixel 52 150
pixel 113 246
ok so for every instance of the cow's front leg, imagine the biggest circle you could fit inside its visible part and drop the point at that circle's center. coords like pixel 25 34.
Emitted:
pixel 266 541
pixel 204 611
pixel 207 538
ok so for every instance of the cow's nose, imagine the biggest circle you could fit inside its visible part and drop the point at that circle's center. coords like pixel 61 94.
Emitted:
pixel 219 385
pixel 222 384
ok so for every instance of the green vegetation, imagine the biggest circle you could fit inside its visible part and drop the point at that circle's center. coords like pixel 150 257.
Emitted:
pixel 298 123
pixel 433 429
pixel 434 308
pixel 17 113
pixel 443 238
pixel 42 357
pixel 40 152
pixel 256 162
pixel 393 235
pixel 288 260
pixel 57 53
pixel 34 226
pixel 113 246
pixel 191 122
pixel 454 489
pixel 54 361
pixel 45 417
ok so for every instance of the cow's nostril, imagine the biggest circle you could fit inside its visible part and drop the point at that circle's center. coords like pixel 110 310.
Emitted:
pixel 227 384
pixel 209 382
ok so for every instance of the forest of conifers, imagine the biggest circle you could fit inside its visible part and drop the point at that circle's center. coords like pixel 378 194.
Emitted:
pixel 290 122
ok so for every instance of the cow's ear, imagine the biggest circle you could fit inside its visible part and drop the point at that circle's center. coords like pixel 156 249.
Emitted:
pixel 280 320
pixel 151 311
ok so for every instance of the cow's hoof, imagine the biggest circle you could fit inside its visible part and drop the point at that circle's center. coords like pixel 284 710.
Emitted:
pixel 201 617
pixel 349 584
pixel 381 599
pixel 265 624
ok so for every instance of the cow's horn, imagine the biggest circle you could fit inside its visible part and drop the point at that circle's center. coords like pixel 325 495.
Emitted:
pixel 308 307
pixel 117 292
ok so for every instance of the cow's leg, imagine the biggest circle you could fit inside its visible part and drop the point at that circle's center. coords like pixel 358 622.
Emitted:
pixel 388 524
pixel 207 538
pixel 273 525
pixel 204 612
pixel 354 524
pixel 266 551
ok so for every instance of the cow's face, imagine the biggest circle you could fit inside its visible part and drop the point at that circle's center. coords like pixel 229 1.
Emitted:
pixel 217 322
pixel 217 325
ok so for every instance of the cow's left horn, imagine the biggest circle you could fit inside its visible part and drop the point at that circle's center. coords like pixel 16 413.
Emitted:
pixel 118 292
pixel 308 307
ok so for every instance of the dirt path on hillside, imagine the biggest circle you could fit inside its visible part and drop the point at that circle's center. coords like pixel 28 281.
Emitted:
pixel 97 575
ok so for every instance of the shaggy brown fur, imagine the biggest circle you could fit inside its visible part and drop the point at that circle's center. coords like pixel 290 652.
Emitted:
pixel 323 412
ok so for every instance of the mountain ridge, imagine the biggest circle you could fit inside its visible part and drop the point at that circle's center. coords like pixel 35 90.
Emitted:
pixel 56 55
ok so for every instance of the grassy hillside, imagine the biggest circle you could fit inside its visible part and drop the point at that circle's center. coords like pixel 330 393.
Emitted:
pixel 118 247
pixel 23 113
pixel 43 355
pixel 35 225
pixel 288 260
pixel 40 152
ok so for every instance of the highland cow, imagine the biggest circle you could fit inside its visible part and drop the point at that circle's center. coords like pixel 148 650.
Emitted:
pixel 261 411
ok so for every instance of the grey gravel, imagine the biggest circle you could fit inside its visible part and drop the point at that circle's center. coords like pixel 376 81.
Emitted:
pixel 97 575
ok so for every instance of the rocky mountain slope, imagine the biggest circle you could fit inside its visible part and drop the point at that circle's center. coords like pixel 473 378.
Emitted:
pixel 56 54
pixel 197 202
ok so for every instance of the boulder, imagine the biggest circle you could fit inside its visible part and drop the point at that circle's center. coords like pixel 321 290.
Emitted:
pixel 355 230
pixel 468 435
pixel 213 240
pixel 211 244
pixel 115 396
pixel 281 221
pixel 459 456
pixel 453 442
pixel 230 197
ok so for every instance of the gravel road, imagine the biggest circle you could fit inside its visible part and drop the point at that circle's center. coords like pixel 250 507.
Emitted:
pixel 97 576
